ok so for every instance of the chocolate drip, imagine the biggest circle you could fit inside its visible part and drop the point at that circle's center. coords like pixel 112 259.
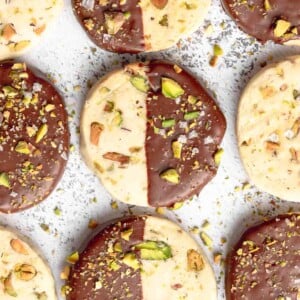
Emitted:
pixel 265 264
pixel 31 176
pixel 95 278
pixel 258 17
pixel 130 37
pixel 196 166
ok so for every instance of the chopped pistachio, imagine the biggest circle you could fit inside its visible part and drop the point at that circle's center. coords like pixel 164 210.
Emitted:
pixel 42 131
pixel 206 239
pixel 176 148
pixel 170 175
pixel 192 99
pixel 168 123
pixel 176 206
pixel 8 287
pixel 64 275
pixel 140 83
pixel 164 21
pixel 49 107
pixel 118 119
pixel 73 257
pixel 127 15
pixel 218 50
pixel 125 235
pixel 191 115
pixel 118 247
pixel 9 91
pixel 281 27
pixel 267 5
pixel 131 260
pixel 218 156
pixel 22 147
pixel 171 89
pixel 4 180
pixel 57 211
pixel 154 250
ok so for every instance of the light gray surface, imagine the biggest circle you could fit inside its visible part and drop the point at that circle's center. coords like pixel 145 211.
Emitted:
pixel 72 60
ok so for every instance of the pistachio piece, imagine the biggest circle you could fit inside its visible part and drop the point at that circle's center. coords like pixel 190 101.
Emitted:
pixel 191 115
pixel 118 247
pixel 195 261
pixel 170 175
pixel 168 123
pixel 218 156
pixel 41 296
pixel 49 107
pixel 218 51
pixel 25 272
pixel 9 91
pixel 23 148
pixel 154 250
pixel 64 275
pixel 176 206
pixel 114 266
pixel 8 31
pixel 118 157
pixel 176 148
pixel 8 287
pixel 281 27
pixel 192 99
pixel 267 5
pixel 131 261
pixel 140 83
pixel 206 239
pixel 18 246
pixel 114 22
pixel 125 235
pixel 171 89
pixel 96 129
pixel 4 180
pixel 164 21
pixel 117 120
pixel 109 106
pixel 160 4
pixel 42 131
pixel 73 258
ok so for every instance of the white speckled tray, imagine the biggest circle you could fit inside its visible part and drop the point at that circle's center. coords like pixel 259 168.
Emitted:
pixel 72 60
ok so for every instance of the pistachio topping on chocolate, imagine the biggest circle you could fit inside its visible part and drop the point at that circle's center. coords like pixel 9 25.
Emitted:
pixel 34 138
pixel 265 263
pixel 276 20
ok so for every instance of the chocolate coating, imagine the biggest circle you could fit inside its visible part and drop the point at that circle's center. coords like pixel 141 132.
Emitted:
pixel 202 134
pixel 258 18
pixel 32 168
pixel 265 264
pixel 129 39
pixel 94 277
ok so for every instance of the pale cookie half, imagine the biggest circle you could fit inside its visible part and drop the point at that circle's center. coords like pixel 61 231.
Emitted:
pixel 151 133
pixel 23 22
pixel 24 275
pixel 136 26
pixel 268 128
pixel 142 258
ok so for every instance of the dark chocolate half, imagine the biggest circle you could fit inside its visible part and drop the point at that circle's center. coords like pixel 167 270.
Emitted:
pixel 265 264
pixel 199 125
pixel 102 19
pixel 100 273
pixel 277 20
pixel 34 137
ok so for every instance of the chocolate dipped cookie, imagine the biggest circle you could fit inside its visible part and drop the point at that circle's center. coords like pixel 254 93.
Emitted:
pixel 134 26
pixel 34 137
pixel 24 274
pixel 22 23
pixel 265 263
pixel 141 257
pixel 275 20
pixel 268 129
pixel 151 133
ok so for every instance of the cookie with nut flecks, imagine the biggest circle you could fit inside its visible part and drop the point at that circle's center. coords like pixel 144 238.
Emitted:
pixel 22 23
pixel 268 129
pixel 265 263
pixel 134 26
pixel 24 274
pixel 34 137
pixel 140 257
pixel 275 20
pixel 152 134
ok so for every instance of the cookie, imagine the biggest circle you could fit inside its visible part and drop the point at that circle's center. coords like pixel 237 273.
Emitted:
pixel 22 23
pixel 34 137
pixel 134 26
pixel 268 129
pixel 24 275
pixel 265 263
pixel 141 257
pixel 275 20
pixel 151 133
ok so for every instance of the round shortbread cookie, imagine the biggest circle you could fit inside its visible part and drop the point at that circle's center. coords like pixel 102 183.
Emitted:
pixel 134 26
pixel 276 20
pixel 142 257
pixel 24 275
pixel 151 134
pixel 268 129
pixel 265 263
pixel 22 23
pixel 34 137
